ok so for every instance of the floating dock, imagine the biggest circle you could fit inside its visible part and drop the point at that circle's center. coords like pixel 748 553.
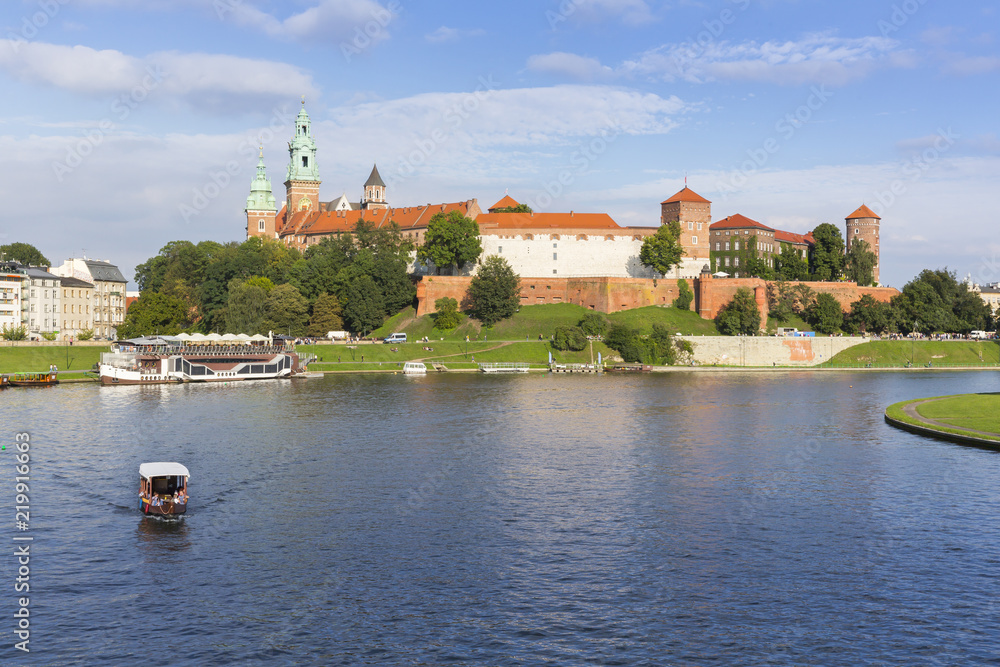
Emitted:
pixel 504 367
pixel 575 368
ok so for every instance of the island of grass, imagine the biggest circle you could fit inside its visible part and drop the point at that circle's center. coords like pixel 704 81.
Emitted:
pixel 965 418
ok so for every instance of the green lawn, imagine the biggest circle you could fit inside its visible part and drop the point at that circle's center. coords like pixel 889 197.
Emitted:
pixel 977 411
pixel 686 322
pixel 897 353
pixel 980 412
pixel 33 359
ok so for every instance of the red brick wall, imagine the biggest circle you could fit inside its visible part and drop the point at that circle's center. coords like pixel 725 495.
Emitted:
pixel 610 295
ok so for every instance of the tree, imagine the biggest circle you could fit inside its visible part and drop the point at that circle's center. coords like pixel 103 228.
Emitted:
pixel 286 311
pixel 364 310
pixel 246 306
pixel 154 313
pixel 627 342
pixel 685 296
pixel 827 259
pixel 25 253
pixel 325 316
pixel 868 315
pixel 569 338
pixel 790 265
pixel 13 332
pixel 451 240
pixel 520 208
pixel 938 302
pixel 739 316
pixel 495 291
pixel 751 264
pixel 594 324
pixel 860 263
pixel 446 314
pixel 826 315
pixel 85 334
pixel 662 251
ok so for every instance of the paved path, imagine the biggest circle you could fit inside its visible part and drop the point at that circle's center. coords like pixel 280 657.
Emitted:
pixel 462 354
pixel 911 411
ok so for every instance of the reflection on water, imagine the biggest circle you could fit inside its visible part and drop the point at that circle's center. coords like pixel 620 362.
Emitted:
pixel 460 519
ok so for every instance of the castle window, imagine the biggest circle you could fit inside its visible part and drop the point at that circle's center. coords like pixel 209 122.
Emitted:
pixel 694 240
pixel 736 261
pixel 736 246
pixel 699 226
pixel 727 261
pixel 500 250
pixel 717 245
pixel 260 225
pixel 554 256
pixel 554 245
pixel 690 226
pixel 727 245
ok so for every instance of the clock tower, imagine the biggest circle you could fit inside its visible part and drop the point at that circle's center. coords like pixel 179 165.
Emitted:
pixel 302 179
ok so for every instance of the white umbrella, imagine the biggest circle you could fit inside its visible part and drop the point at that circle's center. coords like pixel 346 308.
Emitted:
pixel 720 274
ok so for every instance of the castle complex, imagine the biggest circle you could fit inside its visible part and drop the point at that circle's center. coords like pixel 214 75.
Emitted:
pixel 535 244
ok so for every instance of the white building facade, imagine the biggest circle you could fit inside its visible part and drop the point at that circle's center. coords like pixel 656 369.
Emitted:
pixel 10 296
pixel 108 304
pixel 40 301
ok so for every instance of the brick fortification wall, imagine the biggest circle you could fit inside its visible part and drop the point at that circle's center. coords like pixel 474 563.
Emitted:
pixel 610 295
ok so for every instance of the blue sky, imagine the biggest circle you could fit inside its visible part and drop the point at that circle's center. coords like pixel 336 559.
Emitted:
pixel 127 124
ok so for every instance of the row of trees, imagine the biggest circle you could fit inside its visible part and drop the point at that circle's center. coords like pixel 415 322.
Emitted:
pixel 353 281
pixel 935 301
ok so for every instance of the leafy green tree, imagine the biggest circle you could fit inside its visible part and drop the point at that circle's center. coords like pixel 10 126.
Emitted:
pixel 446 316
pixel 739 316
pixel 13 332
pixel 780 298
pixel 286 311
pixel 790 265
pixel 25 253
pixel 826 315
pixel 520 208
pixel 662 251
pixel 495 291
pixel 685 296
pixel 826 262
pixel 569 338
pixel 868 315
pixel 155 313
pixel 860 263
pixel 85 334
pixel 936 301
pixel 364 310
pixel 326 316
pixel 246 307
pixel 594 324
pixel 627 342
pixel 451 240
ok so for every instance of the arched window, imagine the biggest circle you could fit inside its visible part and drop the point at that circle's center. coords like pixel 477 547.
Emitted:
pixel 260 225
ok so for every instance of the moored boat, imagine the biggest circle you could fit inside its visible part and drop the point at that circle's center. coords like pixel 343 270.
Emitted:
pixel 414 368
pixel 33 379
pixel 163 488
pixel 4 381
pixel 629 368
pixel 174 359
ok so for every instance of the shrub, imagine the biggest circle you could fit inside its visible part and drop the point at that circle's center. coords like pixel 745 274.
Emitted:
pixel 19 332
pixel 86 334
pixel 49 335
pixel 594 324
pixel 685 297
pixel 569 338
pixel 447 315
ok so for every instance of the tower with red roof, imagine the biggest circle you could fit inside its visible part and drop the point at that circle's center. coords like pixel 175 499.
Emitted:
pixel 863 225
pixel 694 213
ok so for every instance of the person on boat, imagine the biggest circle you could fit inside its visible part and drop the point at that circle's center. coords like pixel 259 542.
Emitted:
pixel 180 497
pixel 157 501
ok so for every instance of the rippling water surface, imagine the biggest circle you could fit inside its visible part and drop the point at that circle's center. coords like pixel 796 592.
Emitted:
pixel 679 519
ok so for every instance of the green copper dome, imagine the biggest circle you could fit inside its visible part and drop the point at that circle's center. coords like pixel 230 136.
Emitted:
pixel 260 198
pixel 302 151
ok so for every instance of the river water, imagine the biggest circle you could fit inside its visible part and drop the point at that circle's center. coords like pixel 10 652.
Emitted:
pixel 675 519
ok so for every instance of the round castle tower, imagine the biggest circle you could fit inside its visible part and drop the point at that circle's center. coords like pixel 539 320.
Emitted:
pixel 862 225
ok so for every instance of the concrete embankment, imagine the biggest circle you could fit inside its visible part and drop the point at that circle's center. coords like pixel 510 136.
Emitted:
pixel 768 350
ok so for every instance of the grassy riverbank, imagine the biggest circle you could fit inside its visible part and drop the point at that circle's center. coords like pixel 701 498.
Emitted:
pixel 937 353
pixel 967 415
pixel 34 359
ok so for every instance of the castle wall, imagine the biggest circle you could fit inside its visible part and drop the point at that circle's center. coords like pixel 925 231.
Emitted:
pixel 768 350
pixel 611 294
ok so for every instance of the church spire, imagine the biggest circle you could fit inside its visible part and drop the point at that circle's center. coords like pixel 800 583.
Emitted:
pixel 261 198
pixel 302 178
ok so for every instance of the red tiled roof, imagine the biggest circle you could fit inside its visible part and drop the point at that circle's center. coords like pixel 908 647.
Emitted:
pixel 791 237
pixel 863 212
pixel 687 194
pixel 738 221
pixel 505 202
pixel 331 222
pixel 547 221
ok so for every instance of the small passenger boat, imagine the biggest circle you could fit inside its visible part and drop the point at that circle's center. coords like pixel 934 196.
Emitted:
pixel 629 368
pixel 4 381
pixel 414 368
pixel 163 488
pixel 34 379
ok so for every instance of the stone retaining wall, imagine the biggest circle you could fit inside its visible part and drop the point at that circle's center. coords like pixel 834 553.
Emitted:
pixel 768 350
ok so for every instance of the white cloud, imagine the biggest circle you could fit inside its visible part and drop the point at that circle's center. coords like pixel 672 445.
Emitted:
pixel 818 58
pixel 571 65
pixel 446 34
pixel 961 65
pixel 329 20
pixel 198 78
